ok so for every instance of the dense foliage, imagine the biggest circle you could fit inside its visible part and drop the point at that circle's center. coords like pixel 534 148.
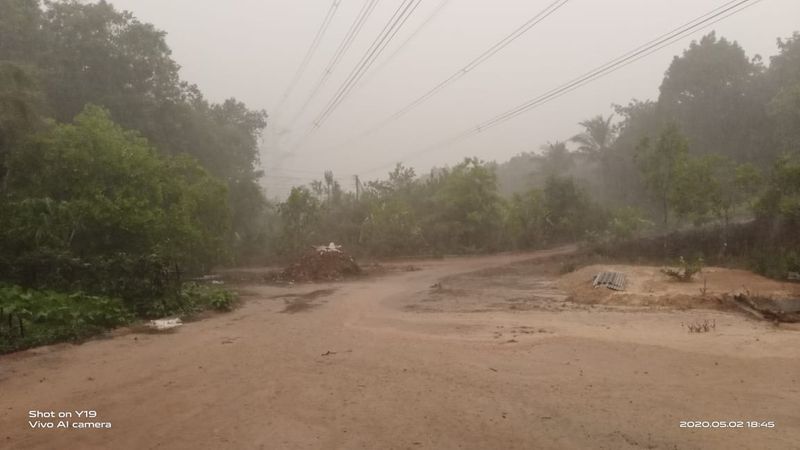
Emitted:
pixel 88 199
pixel 117 178
pixel 30 317
pixel 63 55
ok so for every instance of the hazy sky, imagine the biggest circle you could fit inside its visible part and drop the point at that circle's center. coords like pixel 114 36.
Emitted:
pixel 250 49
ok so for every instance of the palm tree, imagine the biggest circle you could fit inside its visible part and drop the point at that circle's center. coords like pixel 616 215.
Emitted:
pixel 597 137
pixel 595 143
pixel 556 158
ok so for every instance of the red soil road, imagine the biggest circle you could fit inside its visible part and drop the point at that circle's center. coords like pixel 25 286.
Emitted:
pixel 256 378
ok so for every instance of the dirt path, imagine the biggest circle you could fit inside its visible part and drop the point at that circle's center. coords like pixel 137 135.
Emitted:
pixel 355 365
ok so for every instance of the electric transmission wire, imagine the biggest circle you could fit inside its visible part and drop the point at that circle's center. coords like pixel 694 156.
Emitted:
pixel 344 46
pixel 389 31
pixel 309 53
pixel 483 57
pixel 396 22
pixel 410 38
pixel 704 21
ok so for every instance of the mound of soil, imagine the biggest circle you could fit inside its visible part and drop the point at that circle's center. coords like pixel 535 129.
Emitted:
pixel 647 286
pixel 321 265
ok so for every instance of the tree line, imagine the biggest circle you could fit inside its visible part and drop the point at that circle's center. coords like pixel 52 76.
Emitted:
pixel 118 179
pixel 719 146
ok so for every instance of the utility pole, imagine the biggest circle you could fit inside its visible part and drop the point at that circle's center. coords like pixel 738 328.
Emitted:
pixel 358 186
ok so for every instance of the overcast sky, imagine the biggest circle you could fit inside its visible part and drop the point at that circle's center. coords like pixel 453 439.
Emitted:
pixel 250 49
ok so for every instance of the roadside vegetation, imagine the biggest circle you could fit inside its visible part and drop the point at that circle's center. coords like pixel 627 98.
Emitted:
pixel 714 161
pixel 120 182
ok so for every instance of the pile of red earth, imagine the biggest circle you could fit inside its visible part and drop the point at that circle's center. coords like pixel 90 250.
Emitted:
pixel 321 265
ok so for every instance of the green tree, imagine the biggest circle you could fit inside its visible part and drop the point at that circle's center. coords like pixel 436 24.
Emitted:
pixel 596 138
pixel 713 187
pixel 569 212
pixel 300 215
pixel 626 187
pixel 595 142
pixel 469 207
pixel 21 108
pixel 780 201
pixel 525 219
pixel 660 163
pixel 695 189
pixel 711 92
pixel 93 53
pixel 391 226
pixel 91 191
pixel 785 111
pixel 783 79
pixel 20 33
pixel 556 159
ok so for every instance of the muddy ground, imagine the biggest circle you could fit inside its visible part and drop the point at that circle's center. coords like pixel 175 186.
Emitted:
pixel 476 353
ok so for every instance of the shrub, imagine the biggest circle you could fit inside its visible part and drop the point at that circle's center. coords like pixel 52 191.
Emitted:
pixel 196 297
pixel 776 263
pixel 92 207
pixel 34 317
pixel 686 270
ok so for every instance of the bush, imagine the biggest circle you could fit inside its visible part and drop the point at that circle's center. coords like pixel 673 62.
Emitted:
pixel 34 317
pixel 626 223
pixel 137 279
pixel 196 297
pixel 776 263
pixel 686 269
pixel 92 207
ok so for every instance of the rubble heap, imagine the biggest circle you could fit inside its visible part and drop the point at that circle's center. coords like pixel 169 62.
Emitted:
pixel 323 263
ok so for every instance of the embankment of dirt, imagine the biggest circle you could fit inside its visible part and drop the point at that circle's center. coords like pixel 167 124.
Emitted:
pixel 648 286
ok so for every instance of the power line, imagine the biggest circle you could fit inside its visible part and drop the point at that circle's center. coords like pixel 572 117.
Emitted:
pixel 355 28
pixel 309 53
pixel 704 21
pixel 410 38
pixel 400 16
pixel 483 57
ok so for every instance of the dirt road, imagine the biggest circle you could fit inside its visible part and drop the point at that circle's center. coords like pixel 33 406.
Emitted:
pixel 383 363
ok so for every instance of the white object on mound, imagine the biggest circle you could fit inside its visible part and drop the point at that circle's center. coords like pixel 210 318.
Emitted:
pixel 165 324
pixel 329 248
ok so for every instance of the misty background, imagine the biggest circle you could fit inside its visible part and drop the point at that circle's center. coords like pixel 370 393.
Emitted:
pixel 123 184
pixel 251 50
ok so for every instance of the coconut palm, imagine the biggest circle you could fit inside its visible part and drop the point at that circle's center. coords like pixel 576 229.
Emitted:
pixel 598 136
pixel 595 143
pixel 556 159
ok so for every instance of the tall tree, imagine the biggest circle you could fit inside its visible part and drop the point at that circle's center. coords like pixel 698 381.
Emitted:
pixel 21 108
pixel 711 92
pixel 20 29
pixel 96 54
pixel 556 159
pixel 569 212
pixel 783 77
pixel 469 206
pixel 596 138
pixel 595 143
pixel 661 163
pixel 301 214
pixel 92 191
